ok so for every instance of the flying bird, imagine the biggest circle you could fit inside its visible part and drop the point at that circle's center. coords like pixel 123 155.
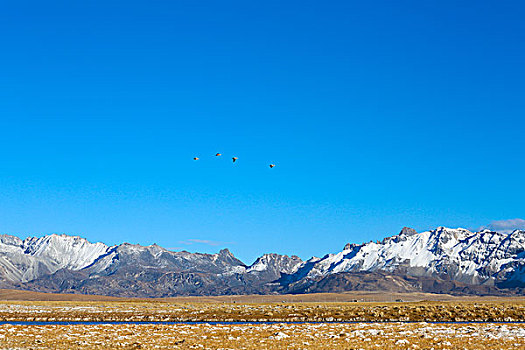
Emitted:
pixel 272 165
pixel 218 155
pixel 234 159
pixel 196 158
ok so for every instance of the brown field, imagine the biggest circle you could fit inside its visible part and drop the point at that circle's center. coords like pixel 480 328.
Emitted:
pixel 386 333
pixel 13 294
pixel 176 311
pixel 274 336
pixel 361 296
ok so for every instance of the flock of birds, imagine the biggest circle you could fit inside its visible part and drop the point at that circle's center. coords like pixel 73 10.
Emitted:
pixel 234 159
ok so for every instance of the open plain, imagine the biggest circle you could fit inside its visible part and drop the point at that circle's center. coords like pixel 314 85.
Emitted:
pixel 265 336
pixel 315 321
pixel 475 310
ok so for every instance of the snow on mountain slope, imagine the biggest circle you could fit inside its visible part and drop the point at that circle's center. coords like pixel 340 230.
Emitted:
pixel 457 254
pixel 35 257
pixel 133 256
pixel 25 260
pixel 59 262
pixel 276 262
pixel 69 252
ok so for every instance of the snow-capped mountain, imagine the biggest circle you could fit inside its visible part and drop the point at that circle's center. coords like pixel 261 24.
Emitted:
pixel 70 264
pixel 443 260
pixel 25 260
pixel 276 263
pixel 484 257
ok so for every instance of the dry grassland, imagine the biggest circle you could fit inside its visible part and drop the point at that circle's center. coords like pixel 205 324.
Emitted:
pixel 361 296
pixel 384 334
pixel 266 336
pixel 424 311
pixel 14 294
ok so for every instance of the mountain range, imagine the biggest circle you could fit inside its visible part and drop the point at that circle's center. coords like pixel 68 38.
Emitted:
pixel 443 260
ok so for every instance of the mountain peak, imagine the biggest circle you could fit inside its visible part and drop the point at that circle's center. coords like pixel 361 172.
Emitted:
pixel 277 263
pixel 225 252
pixel 10 240
pixel 350 246
pixel 408 231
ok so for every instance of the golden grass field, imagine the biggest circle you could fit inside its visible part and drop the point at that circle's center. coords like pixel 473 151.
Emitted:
pixel 136 311
pixel 384 327
pixel 12 294
pixel 265 336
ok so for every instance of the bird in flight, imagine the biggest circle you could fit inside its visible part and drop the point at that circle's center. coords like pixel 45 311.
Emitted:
pixel 234 159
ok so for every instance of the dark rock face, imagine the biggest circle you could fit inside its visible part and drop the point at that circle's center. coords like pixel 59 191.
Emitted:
pixel 407 231
pixel 362 281
pixel 393 283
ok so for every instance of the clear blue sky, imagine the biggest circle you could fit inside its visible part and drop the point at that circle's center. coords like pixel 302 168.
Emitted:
pixel 378 115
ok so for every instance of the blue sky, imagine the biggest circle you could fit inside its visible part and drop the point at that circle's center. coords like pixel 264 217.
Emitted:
pixel 378 115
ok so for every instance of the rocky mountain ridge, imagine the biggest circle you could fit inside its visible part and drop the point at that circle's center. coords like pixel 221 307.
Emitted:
pixel 440 260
